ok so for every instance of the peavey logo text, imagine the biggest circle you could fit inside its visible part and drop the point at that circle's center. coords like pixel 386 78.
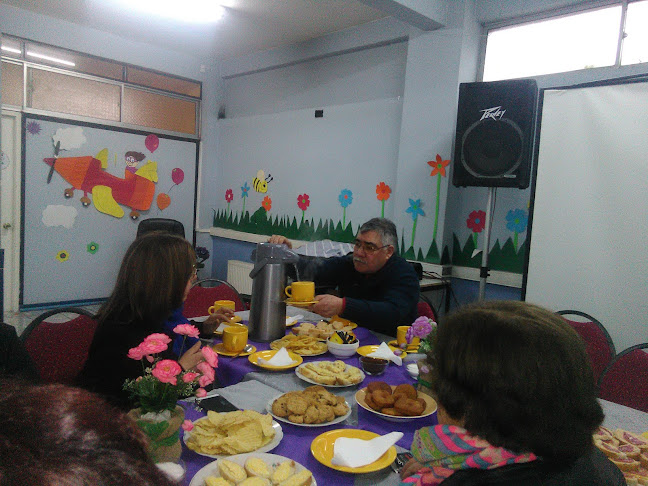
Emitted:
pixel 495 113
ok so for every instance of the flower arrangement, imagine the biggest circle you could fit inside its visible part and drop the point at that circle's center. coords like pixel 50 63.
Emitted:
pixel 164 382
pixel 202 255
pixel 423 328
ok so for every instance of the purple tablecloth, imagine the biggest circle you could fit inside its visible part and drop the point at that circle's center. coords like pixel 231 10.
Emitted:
pixel 297 439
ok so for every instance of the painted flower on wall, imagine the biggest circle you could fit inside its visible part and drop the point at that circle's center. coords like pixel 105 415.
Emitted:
pixel 63 256
pixel 303 201
pixel 345 198
pixel 438 169
pixel 244 194
pixel 517 221
pixel 415 211
pixel 229 196
pixel 267 203
pixel 92 248
pixel 476 222
pixel 33 128
pixel 382 193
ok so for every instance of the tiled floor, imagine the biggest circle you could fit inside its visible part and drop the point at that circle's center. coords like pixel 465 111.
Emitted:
pixel 20 320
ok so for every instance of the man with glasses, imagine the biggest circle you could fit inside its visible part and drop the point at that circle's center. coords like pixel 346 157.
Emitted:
pixel 378 289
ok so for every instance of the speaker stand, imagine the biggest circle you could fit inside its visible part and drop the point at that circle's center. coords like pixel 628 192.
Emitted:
pixel 483 271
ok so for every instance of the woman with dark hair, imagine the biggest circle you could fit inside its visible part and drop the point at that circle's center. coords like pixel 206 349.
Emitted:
pixel 516 403
pixel 52 435
pixel 154 280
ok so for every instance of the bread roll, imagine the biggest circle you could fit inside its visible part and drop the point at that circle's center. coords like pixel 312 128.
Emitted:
pixel 255 466
pixel 231 471
pixel 214 481
pixel 282 472
pixel 255 481
pixel 302 478
pixel 629 438
pixel 625 464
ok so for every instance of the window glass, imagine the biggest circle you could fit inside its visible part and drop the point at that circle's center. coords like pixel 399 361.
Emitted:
pixel 635 45
pixel 161 81
pixel 11 82
pixel 579 41
pixel 159 111
pixel 77 96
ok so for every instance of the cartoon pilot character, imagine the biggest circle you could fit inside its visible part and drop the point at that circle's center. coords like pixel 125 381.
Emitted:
pixel 132 159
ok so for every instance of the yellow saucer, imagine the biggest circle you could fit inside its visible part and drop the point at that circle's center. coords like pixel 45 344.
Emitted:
pixel 268 354
pixel 300 303
pixel 322 450
pixel 365 350
pixel 411 348
pixel 220 349
pixel 232 320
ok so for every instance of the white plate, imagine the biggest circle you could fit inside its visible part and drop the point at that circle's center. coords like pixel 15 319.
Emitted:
pixel 211 469
pixel 266 448
pixel 336 420
pixel 308 380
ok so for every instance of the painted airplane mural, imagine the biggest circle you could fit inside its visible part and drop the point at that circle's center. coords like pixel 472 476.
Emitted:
pixel 88 174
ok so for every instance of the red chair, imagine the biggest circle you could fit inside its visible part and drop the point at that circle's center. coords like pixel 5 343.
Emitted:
pixel 59 348
pixel 203 294
pixel 598 343
pixel 625 380
pixel 425 308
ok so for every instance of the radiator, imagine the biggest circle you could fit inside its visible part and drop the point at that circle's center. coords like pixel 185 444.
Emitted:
pixel 238 274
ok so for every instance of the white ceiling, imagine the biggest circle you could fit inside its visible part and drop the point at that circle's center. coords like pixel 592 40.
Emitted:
pixel 248 25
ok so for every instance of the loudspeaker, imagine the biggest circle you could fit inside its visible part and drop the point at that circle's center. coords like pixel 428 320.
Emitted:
pixel 495 128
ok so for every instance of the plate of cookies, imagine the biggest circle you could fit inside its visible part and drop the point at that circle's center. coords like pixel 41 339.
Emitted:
pixel 399 403
pixel 302 345
pixel 334 374
pixel 253 469
pixel 323 330
pixel 313 407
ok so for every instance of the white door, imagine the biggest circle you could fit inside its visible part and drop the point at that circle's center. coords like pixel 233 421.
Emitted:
pixel 10 207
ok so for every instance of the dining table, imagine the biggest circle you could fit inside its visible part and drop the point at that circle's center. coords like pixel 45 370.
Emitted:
pixel 249 387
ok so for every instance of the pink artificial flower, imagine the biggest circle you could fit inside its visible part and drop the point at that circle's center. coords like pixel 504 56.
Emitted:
pixel 208 374
pixel 210 356
pixel 187 425
pixel 420 328
pixel 187 330
pixel 190 376
pixel 201 393
pixel 150 358
pixel 136 353
pixel 155 343
pixel 166 371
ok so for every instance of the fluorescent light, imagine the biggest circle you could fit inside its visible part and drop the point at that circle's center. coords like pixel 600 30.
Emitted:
pixel 11 49
pixel 50 58
pixel 194 11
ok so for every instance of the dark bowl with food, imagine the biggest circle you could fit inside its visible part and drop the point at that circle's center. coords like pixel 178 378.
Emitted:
pixel 373 366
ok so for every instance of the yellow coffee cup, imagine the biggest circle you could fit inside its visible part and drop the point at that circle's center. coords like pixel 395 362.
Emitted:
pixel 228 304
pixel 301 291
pixel 235 338
pixel 401 332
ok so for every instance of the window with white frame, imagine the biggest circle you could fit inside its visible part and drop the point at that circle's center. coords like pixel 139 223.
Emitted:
pixel 611 35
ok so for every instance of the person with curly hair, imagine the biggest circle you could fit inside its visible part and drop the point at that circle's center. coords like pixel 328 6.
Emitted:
pixel 516 403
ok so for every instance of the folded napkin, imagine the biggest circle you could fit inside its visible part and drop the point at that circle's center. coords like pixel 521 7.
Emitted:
pixel 385 352
pixel 173 471
pixel 359 452
pixel 280 358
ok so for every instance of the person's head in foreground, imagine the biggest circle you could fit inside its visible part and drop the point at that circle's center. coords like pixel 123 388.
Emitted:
pixel 374 245
pixel 54 435
pixel 154 278
pixel 518 376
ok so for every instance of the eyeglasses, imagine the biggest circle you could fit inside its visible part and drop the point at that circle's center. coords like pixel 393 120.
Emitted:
pixel 367 246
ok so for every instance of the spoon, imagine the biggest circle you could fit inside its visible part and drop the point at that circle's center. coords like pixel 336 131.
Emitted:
pixel 246 349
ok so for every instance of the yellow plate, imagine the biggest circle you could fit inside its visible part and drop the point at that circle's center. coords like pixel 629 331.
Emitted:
pixel 220 349
pixel 322 450
pixel 411 348
pixel 344 321
pixel 365 350
pixel 268 354
pixel 299 303
pixel 430 407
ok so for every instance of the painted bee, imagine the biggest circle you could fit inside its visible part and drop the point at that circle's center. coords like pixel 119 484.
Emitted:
pixel 260 182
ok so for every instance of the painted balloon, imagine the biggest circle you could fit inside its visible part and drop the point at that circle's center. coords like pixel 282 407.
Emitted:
pixel 163 201
pixel 152 142
pixel 177 175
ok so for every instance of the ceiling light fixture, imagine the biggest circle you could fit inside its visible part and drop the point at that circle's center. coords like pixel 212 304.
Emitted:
pixel 50 58
pixel 11 49
pixel 194 11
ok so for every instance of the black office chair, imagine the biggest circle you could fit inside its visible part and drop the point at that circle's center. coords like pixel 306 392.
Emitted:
pixel 160 224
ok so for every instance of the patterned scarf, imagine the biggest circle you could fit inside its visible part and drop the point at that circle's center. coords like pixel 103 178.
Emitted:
pixel 444 449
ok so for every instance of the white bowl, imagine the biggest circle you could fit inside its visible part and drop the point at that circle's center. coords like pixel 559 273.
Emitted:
pixel 342 350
